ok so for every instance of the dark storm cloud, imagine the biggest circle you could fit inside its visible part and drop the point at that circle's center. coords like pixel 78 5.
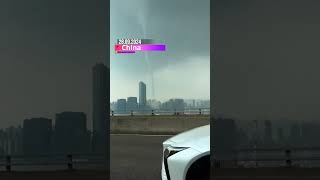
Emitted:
pixel 54 29
pixel 267 59
pixel 183 25
pixel 47 49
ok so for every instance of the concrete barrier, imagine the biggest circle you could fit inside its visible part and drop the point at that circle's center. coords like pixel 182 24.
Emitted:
pixel 159 124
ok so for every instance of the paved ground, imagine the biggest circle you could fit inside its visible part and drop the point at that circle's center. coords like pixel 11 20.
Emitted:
pixel 136 157
pixel 133 157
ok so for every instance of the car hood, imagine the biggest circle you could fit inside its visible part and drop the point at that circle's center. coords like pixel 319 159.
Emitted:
pixel 197 138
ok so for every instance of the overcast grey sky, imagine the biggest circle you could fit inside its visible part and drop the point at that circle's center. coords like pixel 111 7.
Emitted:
pixel 266 62
pixel 47 49
pixel 183 71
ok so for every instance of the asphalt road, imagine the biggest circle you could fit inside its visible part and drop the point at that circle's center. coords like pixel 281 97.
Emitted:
pixel 136 157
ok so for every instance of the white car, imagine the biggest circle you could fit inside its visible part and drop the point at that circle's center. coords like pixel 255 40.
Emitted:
pixel 186 156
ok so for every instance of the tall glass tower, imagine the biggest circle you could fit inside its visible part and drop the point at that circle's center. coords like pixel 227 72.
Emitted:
pixel 142 95
pixel 100 128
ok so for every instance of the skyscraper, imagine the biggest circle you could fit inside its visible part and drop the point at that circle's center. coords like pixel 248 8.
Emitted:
pixel 132 104
pixel 101 76
pixel 37 135
pixel 70 134
pixel 295 133
pixel 225 141
pixel 174 105
pixel 280 138
pixel 11 141
pixel 142 95
pixel 268 140
pixel 121 105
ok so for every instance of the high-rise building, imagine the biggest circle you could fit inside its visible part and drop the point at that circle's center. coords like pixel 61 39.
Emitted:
pixel 70 134
pixel 242 137
pixel 154 104
pixel 132 104
pixel 281 138
pixel 142 95
pixel 3 140
pixel 296 132
pixel 174 105
pixel 113 106
pixel 14 135
pixel 224 136
pixel 101 106
pixel 37 135
pixel 121 105
pixel 11 141
pixel 268 140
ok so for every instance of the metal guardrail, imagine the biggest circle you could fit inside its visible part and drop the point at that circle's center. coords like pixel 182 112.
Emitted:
pixel 153 112
pixel 68 161
pixel 272 157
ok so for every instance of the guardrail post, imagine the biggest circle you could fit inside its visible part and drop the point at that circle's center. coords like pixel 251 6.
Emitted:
pixel 131 112
pixel 217 164
pixel 152 112
pixel 70 163
pixel 288 156
pixel 112 113
pixel 8 163
pixel 199 111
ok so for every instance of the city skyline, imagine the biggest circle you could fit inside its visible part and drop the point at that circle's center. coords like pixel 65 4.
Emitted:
pixel 144 105
pixel 97 89
pixel 65 133
pixel 46 61
pixel 68 131
pixel 143 91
